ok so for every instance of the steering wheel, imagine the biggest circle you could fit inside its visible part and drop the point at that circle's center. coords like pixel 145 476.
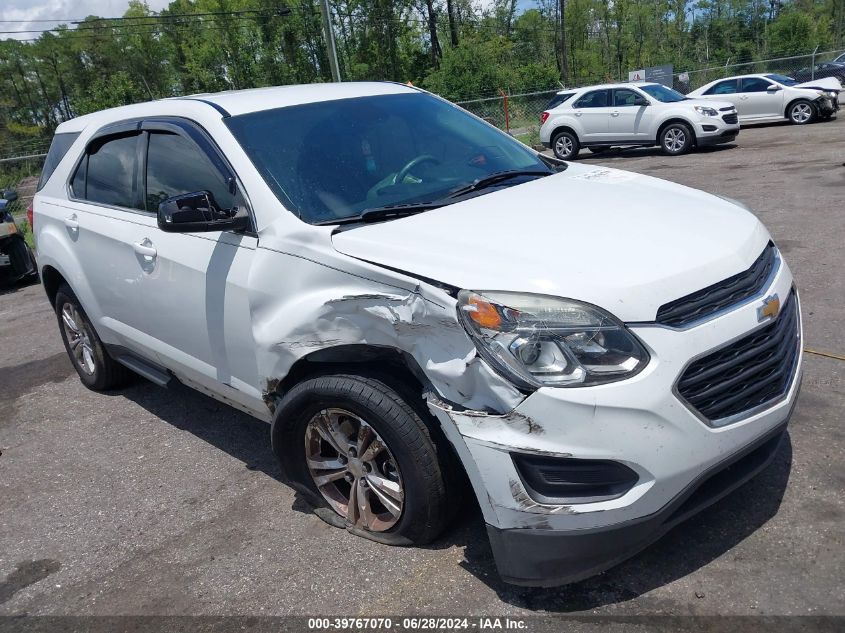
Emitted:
pixel 424 158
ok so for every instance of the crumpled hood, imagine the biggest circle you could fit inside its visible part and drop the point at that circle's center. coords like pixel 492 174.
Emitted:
pixel 826 83
pixel 626 242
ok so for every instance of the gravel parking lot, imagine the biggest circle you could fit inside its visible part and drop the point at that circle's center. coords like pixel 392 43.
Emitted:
pixel 153 501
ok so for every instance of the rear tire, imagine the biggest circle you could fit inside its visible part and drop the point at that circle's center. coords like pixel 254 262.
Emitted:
pixel 565 145
pixel 802 112
pixel 97 370
pixel 676 139
pixel 317 431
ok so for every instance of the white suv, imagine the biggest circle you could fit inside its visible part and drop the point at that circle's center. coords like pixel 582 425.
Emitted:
pixel 633 115
pixel 771 97
pixel 414 300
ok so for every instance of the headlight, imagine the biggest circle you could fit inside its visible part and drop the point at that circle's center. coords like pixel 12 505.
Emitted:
pixel 705 111
pixel 540 341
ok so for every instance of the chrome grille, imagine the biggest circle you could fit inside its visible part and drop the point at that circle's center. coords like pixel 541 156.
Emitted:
pixel 725 294
pixel 751 372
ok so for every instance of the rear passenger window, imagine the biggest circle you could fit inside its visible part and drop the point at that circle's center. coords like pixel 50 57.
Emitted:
pixel 110 173
pixel 595 99
pixel 176 166
pixel 727 87
pixel 557 100
pixel 58 148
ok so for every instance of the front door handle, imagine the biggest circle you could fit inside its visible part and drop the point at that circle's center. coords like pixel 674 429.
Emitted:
pixel 614 114
pixel 72 223
pixel 145 248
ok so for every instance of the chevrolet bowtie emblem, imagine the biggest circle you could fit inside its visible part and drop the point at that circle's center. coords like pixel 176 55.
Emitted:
pixel 769 309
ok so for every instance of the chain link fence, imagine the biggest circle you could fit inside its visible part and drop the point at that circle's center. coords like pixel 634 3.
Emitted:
pixel 800 67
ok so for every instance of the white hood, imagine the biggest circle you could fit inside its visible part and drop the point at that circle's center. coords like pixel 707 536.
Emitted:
pixel 826 83
pixel 622 241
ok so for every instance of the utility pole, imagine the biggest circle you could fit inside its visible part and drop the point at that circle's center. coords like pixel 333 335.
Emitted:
pixel 564 58
pixel 330 43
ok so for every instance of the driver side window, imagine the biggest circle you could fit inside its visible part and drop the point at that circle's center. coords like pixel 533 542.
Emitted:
pixel 175 166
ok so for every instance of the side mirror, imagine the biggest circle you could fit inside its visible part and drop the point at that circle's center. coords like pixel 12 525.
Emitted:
pixel 198 212
pixel 773 88
pixel 10 194
pixel 641 102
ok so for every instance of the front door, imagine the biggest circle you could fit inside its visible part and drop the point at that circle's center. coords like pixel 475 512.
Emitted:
pixel 760 98
pixel 626 115
pixel 197 293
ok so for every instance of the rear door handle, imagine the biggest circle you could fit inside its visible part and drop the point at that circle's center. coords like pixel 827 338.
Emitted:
pixel 614 114
pixel 145 248
pixel 72 223
pixel 578 113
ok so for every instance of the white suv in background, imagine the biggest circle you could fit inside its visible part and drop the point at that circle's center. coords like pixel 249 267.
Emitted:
pixel 771 97
pixel 633 115
pixel 414 299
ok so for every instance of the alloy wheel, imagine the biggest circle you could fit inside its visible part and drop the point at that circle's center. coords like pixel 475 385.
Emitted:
pixel 802 112
pixel 674 139
pixel 78 339
pixel 564 146
pixel 354 470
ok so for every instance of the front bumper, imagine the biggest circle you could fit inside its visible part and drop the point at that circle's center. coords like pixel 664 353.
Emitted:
pixel 827 106
pixel 551 557
pixel 640 423
pixel 716 130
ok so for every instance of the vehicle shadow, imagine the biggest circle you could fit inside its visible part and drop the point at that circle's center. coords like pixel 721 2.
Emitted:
pixel 682 551
pixel 642 152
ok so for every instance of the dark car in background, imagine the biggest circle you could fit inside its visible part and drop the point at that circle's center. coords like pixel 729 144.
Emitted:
pixel 16 259
pixel 822 70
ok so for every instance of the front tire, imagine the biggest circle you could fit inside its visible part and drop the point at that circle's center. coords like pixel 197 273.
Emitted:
pixel 675 139
pixel 97 370
pixel 364 459
pixel 565 145
pixel 802 112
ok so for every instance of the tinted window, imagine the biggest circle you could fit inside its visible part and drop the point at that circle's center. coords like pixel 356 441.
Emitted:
pixel 782 79
pixel 662 93
pixel 754 84
pixel 335 159
pixel 111 176
pixel 557 100
pixel 77 185
pixel 623 97
pixel 58 148
pixel 727 87
pixel 175 166
pixel 594 99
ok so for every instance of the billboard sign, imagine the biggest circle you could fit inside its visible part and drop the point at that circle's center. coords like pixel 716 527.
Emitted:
pixel 657 74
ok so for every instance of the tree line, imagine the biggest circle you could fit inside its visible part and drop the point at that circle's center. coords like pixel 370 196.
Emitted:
pixel 456 48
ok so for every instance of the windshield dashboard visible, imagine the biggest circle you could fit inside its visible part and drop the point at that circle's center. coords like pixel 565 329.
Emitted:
pixel 335 160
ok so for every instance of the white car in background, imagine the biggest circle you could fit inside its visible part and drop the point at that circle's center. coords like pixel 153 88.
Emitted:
pixel 772 97
pixel 633 115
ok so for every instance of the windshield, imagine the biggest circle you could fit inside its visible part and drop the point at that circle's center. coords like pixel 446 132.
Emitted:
pixel 783 79
pixel 662 93
pixel 332 160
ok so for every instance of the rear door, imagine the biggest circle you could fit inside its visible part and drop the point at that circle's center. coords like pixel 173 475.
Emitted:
pixel 105 221
pixel 593 109
pixel 196 294
pixel 758 102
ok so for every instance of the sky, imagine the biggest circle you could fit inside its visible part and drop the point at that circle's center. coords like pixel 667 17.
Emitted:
pixel 22 11
pixel 64 10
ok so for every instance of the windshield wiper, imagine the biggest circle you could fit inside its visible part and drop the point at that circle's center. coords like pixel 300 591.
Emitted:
pixel 389 211
pixel 492 179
